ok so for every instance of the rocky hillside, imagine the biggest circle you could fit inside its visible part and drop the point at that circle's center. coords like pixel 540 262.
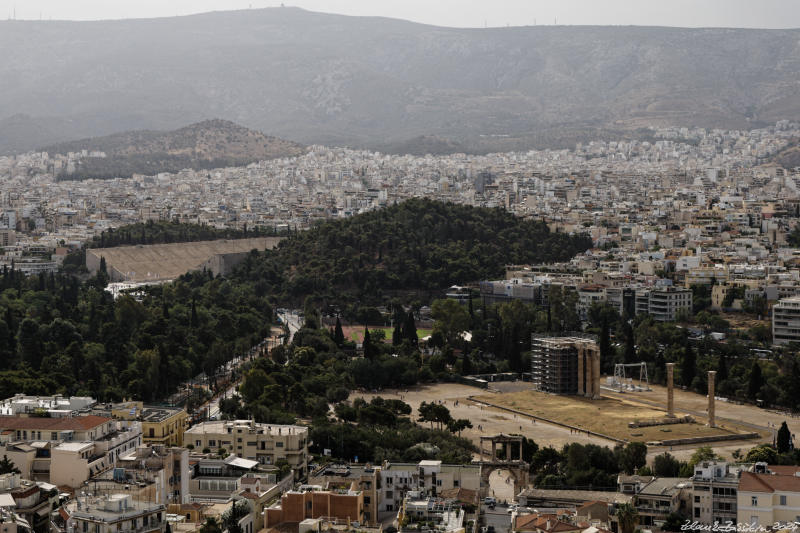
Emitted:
pixel 376 82
pixel 208 144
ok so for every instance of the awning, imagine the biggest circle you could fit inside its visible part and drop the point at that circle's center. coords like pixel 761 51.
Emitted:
pixel 241 463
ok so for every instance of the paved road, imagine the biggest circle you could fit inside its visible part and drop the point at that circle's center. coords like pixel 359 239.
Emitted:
pixel 292 319
pixel 499 517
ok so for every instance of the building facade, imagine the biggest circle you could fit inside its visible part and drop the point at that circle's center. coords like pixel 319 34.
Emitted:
pixel 265 443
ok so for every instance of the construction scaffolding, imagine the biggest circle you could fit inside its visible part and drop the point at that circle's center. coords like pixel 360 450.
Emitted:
pixel 565 365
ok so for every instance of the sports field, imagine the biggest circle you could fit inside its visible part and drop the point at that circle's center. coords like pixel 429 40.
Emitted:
pixel 356 333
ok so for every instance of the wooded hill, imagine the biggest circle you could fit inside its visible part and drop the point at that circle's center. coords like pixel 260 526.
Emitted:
pixel 417 245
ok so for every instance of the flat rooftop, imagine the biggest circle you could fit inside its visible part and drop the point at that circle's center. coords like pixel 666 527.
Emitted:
pixel 221 426
pixel 158 414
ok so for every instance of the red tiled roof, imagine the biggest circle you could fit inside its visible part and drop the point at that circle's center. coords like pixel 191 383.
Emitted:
pixel 589 504
pixel 784 470
pixel 77 423
pixel 752 482
pixel 561 526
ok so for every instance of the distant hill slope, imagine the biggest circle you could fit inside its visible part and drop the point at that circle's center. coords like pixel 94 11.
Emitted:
pixel 789 157
pixel 209 144
pixel 365 81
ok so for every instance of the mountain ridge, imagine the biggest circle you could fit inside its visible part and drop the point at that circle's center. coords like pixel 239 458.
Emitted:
pixel 377 82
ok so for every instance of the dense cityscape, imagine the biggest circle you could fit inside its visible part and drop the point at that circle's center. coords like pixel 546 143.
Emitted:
pixel 344 337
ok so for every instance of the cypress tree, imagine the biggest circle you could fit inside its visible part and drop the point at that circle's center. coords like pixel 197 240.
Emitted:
pixel 688 366
pixel 397 334
pixel 338 334
pixel 605 342
pixel 784 442
pixel 756 381
pixel 410 329
pixel 367 345
pixel 630 345
pixel 194 315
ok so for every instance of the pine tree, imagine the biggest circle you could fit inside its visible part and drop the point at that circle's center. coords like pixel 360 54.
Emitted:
pixel 7 466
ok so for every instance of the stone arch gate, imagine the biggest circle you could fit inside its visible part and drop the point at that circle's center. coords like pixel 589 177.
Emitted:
pixel 512 462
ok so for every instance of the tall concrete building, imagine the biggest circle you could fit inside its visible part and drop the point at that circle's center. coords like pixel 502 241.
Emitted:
pixel 786 321
pixel 714 490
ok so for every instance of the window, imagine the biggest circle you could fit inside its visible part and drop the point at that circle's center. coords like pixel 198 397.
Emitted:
pixel 697 499
pixel 198 443
pixel 455 483
pixel 438 482
pixel 279 444
pixel 366 500
pixel 388 482
pixel 53 436
pixel 697 512
pixel 754 520
pixel 754 501
pixel 783 500
pixel 389 494
pixel 212 443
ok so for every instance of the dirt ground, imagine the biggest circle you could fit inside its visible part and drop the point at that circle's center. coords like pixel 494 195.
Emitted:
pixel 489 421
pixel 607 416
pixel 485 420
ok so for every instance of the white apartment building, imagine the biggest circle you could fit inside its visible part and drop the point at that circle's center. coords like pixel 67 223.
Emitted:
pixel 786 321
pixel 265 443
pixel 428 477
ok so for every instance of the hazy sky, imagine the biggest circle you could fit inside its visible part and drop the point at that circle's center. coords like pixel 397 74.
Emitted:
pixel 465 13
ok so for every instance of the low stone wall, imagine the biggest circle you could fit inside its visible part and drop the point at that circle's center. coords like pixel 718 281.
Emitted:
pixel 661 422
pixel 710 438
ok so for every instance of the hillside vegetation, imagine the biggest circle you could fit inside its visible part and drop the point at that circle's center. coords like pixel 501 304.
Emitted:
pixel 418 245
